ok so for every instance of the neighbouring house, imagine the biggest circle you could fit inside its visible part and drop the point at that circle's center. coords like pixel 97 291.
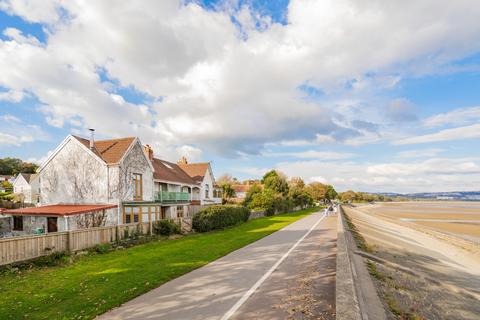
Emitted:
pixel 240 191
pixel 8 178
pixel 26 186
pixel 208 192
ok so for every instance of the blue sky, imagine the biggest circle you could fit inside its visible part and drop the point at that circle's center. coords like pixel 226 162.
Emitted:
pixel 366 101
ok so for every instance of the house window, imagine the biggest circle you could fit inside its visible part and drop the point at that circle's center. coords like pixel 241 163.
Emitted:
pixel 132 214
pixel 18 223
pixel 163 213
pixel 180 211
pixel 137 182
pixel 52 225
pixel 207 191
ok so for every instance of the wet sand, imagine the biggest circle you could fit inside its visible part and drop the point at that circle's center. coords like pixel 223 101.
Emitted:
pixel 461 219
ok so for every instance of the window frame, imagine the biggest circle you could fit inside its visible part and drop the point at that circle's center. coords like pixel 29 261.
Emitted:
pixel 137 186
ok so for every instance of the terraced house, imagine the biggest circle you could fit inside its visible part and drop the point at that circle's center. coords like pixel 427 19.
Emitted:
pixel 87 183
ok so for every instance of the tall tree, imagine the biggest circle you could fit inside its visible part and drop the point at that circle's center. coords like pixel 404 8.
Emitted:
pixel 317 191
pixel 330 193
pixel 13 166
pixel 276 183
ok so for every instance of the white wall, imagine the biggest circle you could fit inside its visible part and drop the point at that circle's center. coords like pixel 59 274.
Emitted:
pixel 73 176
pixel 134 162
pixel 208 179
pixel 21 185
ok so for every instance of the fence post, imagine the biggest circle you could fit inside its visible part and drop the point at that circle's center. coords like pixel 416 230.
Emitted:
pixel 69 241
pixel 150 220
pixel 117 233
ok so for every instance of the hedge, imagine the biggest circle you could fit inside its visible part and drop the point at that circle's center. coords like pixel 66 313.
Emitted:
pixel 219 217
pixel 166 227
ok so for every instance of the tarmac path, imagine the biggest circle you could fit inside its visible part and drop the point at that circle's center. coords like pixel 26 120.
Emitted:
pixel 288 274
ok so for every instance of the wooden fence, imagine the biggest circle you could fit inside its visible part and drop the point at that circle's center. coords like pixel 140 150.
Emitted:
pixel 23 248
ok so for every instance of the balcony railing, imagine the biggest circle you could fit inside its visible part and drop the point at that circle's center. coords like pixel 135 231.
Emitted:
pixel 172 197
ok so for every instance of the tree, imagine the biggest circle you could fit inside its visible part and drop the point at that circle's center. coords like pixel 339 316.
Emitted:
pixel 347 196
pixel 226 178
pixel 300 197
pixel 227 192
pixel 330 193
pixel 276 182
pixel 317 191
pixel 13 166
pixel 296 182
pixel 263 200
pixel 271 173
pixel 255 189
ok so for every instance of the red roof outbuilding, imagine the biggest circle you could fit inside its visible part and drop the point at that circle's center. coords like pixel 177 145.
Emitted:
pixel 60 209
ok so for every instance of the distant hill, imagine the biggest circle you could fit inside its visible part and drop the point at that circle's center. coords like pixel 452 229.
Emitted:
pixel 457 195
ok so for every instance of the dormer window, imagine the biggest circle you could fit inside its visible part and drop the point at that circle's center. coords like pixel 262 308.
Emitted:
pixel 207 191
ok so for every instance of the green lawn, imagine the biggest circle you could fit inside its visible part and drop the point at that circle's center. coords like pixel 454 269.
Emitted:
pixel 97 283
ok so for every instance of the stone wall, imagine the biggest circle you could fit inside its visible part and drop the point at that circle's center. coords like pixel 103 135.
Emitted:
pixel 256 214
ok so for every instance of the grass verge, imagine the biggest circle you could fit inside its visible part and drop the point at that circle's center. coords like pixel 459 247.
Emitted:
pixel 97 283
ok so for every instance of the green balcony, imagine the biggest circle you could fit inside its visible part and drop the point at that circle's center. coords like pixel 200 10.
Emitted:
pixel 172 197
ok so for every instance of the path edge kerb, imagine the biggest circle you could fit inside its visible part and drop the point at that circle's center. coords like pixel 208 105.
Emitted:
pixel 347 306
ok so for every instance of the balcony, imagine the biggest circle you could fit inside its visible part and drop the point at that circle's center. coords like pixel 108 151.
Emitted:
pixel 172 197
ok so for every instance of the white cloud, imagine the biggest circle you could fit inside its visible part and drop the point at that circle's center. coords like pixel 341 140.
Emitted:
pixel 190 152
pixel 318 179
pixel 11 96
pixel 460 116
pixel 312 154
pixel 14 132
pixel 460 133
pixel 223 90
pixel 422 153
pixel 324 139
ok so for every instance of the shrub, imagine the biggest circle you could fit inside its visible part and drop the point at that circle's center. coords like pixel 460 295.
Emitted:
pixel 102 248
pixel 166 227
pixel 284 205
pixel 219 217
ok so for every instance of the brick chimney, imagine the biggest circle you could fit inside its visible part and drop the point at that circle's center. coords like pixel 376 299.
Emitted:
pixel 148 151
pixel 183 160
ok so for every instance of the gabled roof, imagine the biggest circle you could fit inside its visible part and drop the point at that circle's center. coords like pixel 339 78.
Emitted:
pixel 169 171
pixel 195 170
pixel 29 177
pixel 111 151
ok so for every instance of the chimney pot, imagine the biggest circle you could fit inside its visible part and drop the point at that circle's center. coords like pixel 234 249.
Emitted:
pixel 183 160
pixel 92 141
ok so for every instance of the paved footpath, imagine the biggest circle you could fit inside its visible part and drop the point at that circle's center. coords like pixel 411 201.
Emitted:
pixel 288 274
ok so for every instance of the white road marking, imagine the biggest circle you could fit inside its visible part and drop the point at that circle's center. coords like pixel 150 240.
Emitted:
pixel 257 284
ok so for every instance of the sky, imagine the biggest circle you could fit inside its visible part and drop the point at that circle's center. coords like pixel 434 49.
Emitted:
pixel 376 96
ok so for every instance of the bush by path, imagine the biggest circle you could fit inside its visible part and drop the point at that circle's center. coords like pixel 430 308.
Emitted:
pixel 219 217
